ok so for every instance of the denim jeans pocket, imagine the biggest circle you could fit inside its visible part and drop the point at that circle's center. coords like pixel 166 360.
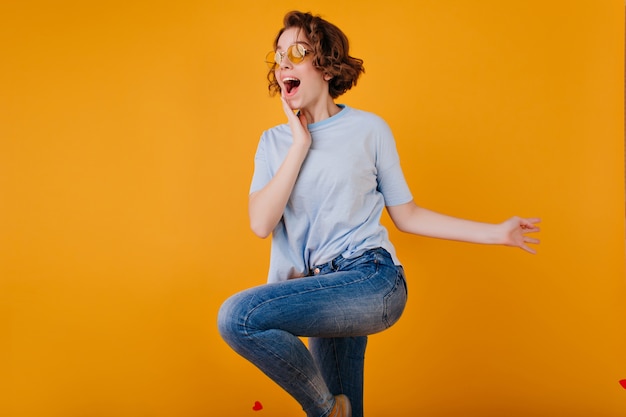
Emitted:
pixel 395 300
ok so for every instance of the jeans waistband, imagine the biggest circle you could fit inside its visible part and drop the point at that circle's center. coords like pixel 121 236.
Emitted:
pixel 336 263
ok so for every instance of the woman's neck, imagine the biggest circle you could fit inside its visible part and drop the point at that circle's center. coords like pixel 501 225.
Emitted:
pixel 322 111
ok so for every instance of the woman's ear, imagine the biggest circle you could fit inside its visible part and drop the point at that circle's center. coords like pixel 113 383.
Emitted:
pixel 328 77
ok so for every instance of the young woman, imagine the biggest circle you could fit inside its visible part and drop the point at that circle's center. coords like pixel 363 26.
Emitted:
pixel 319 187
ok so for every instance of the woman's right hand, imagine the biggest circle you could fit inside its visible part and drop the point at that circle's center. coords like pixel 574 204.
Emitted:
pixel 298 124
pixel 267 205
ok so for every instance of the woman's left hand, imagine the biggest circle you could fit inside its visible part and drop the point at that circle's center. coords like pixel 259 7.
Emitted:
pixel 514 232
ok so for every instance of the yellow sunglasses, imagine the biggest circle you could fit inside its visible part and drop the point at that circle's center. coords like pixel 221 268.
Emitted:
pixel 295 53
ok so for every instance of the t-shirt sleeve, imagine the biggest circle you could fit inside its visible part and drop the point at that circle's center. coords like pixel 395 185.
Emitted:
pixel 391 181
pixel 261 174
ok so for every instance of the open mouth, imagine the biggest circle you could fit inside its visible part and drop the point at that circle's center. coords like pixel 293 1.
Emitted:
pixel 291 84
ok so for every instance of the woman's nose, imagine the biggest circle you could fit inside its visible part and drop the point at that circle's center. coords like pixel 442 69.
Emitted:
pixel 285 62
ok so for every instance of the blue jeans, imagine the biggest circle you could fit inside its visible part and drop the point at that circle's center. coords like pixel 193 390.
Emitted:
pixel 336 306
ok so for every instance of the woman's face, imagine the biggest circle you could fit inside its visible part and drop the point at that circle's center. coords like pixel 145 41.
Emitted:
pixel 301 83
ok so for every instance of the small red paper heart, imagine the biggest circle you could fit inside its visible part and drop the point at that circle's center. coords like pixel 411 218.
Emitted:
pixel 623 383
pixel 257 406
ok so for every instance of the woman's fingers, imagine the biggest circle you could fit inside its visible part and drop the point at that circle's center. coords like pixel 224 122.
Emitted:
pixel 298 124
pixel 288 110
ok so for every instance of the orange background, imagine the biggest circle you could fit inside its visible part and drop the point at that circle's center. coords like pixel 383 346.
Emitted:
pixel 127 135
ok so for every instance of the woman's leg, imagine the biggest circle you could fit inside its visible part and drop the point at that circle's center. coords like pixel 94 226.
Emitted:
pixel 341 362
pixel 350 297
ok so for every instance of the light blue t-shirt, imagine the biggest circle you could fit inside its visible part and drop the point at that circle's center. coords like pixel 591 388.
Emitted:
pixel 351 172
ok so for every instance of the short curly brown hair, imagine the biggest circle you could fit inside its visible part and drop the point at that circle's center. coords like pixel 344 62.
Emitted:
pixel 330 52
